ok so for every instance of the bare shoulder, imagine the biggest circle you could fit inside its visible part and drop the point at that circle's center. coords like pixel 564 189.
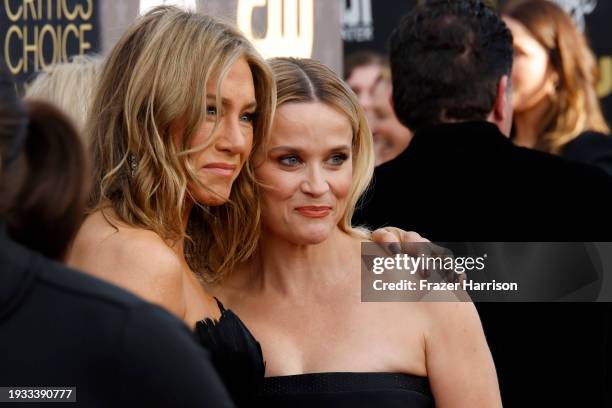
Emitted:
pixel 451 316
pixel 121 249
pixel 459 363
pixel 135 259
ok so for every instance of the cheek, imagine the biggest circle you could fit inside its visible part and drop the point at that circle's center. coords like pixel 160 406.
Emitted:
pixel 249 145
pixel 529 73
pixel 341 183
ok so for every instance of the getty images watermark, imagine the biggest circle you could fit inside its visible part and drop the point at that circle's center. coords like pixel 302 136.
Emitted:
pixel 488 272
pixel 423 265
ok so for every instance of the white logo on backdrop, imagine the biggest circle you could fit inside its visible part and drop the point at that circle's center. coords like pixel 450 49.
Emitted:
pixel 146 5
pixel 290 27
pixel 578 9
pixel 357 23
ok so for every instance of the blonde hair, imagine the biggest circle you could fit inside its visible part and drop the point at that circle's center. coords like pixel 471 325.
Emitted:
pixel 69 86
pixel 306 80
pixel 155 75
pixel 575 107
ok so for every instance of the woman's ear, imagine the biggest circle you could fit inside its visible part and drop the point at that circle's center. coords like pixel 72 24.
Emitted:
pixel 502 109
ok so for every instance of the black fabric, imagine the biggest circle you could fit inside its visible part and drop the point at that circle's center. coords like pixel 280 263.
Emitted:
pixel 384 390
pixel 235 353
pixel 59 327
pixel 467 182
pixel 591 148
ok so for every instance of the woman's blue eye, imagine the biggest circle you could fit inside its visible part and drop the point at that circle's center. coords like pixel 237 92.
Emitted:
pixel 248 117
pixel 211 110
pixel 338 159
pixel 291 160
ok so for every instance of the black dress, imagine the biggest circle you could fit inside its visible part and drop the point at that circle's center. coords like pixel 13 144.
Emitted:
pixel 239 360
pixel 346 389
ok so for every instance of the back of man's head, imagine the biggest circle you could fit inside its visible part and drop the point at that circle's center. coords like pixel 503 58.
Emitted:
pixel 447 58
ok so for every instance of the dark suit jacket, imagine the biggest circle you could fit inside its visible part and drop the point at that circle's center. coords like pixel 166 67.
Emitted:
pixel 468 182
pixel 59 327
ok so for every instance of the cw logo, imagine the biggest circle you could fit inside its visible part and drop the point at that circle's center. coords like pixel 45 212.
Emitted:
pixel 290 27
pixel 357 22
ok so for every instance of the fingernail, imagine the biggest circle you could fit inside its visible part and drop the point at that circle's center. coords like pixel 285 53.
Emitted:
pixel 395 248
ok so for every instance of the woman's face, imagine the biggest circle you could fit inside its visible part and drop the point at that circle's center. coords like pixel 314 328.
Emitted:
pixel 389 135
pixel 218 165
pixel 532 77
pixel 306 170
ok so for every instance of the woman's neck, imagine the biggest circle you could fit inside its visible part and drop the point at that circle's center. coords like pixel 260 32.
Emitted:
pixel 179 246
pixel 287 268
pixel 528 124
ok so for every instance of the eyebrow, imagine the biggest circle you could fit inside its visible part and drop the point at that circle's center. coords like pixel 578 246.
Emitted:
pixel 298 150
pixel 227 102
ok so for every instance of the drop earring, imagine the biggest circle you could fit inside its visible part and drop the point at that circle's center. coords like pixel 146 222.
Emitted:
pixel 133 163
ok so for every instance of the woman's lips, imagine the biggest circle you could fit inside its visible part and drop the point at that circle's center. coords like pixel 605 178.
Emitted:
pixel 314 211
pixel 222 169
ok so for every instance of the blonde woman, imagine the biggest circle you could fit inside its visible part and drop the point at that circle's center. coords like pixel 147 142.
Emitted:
pixel 300 290
pixel 69 86
pixel 182 99
pixel 554 78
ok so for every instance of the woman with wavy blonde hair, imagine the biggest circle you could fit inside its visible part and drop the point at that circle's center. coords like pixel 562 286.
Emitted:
pixel 554 79
pixel 182 100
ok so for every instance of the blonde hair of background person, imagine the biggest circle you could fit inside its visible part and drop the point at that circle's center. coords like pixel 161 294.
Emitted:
pixel 306 272
pixel 153 227
pixel 567 103
pixel 69 86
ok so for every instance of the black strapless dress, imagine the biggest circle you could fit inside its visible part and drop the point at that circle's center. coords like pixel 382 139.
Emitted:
pixel 239 360
pixel 355 390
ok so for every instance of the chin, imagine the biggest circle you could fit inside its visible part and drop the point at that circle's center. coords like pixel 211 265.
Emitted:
pixel 211 199
pixel 312 235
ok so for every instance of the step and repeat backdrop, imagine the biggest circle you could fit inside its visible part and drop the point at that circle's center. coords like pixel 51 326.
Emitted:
pixel 37 33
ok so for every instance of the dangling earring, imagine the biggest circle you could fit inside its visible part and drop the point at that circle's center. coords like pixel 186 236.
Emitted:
pixel 133 163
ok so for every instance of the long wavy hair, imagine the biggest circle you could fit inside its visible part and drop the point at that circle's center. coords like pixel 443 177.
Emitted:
pixel 575 106
pixel 306 80
pixel 155 76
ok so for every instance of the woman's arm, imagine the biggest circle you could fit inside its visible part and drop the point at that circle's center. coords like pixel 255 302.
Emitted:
pixel 459 364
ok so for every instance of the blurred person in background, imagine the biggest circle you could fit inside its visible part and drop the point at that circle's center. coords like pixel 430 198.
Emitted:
pixel 389 135
pixel 69 86
pixel 59 327
pixel 362 72
pixel 369 76
pixel 554 79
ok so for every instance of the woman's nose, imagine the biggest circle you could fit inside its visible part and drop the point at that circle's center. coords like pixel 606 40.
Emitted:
pixel 233 138
pixel 315 183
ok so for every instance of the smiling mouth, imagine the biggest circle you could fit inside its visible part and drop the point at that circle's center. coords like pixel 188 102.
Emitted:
pixel 313 211
pixel 222 169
